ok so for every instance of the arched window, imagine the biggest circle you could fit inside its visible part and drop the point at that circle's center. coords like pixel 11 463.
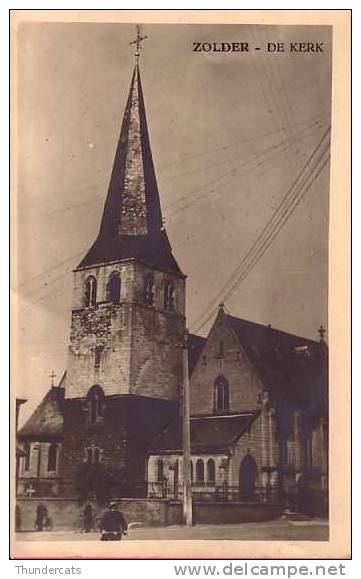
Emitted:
pixel 169 297
pixel 52 457
pixel 97 356
pixel 200 470
pixel 113 288
pixel 149 289
pixel 221 394
pixel 27 450
pixel 90 292
pixel 160 470
pixel 92 455
pixel 211 471
pixel 95 405
pixel 94 408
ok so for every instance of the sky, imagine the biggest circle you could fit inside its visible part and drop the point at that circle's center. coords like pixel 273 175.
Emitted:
pixel 229 133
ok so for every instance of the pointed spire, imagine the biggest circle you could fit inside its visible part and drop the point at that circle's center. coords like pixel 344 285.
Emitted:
pixel 133 206
pixel 132 224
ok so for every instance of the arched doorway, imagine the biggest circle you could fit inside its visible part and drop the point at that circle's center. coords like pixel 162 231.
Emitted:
pixel 247 478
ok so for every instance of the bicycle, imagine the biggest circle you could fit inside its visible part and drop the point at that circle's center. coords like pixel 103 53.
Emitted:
pixel 79 526
pixel 47 525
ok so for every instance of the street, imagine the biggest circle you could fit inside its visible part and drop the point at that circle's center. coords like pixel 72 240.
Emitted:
pixel 280 530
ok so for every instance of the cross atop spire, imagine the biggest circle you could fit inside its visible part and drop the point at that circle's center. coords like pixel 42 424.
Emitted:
pixel 321 332
pixel 137 42
pixel 132 225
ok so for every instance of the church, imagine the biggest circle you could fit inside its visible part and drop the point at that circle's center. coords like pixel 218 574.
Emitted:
pixel 112 427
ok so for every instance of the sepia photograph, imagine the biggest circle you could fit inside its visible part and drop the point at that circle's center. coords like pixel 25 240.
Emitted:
pixel 171 312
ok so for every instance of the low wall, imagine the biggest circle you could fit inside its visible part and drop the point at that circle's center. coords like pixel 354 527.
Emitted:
pixel 65 512
pixel 222 513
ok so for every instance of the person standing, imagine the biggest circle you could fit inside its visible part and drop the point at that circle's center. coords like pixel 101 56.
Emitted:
pixel 17 518
pixel 88 518
pixel 41 516
pixel 113 524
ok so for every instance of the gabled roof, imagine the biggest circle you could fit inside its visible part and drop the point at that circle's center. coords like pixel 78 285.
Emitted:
pixel 47 419
pixel 207 433
pixel 295 369
pixel 132 225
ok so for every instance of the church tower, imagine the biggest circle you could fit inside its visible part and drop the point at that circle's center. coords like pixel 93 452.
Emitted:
pixel 124 368
pixel 128 312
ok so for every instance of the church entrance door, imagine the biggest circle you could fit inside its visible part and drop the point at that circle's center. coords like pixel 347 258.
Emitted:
pixel 247 478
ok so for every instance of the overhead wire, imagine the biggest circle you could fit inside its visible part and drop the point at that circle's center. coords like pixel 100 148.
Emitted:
pixel 250 266
pixel 268 157
pixel 288 200
pixel 270 151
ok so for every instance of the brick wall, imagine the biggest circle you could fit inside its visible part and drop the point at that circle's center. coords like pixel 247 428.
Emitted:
pixel 223 513
pixel 123 437
pixel 210 513
pixel 79 435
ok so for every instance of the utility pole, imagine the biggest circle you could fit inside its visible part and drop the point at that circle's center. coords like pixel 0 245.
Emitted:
pixel 38 447
pixel 187 484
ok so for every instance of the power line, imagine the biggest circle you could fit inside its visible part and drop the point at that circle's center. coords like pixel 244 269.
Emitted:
pixel 269 156
pixel 233 144
pixel 260 253
pixel 100 185
pixel 277 228
pixel 46 286
pixel 253 262
pixel 248 159
pixel 194 200
pixel 281 220
pixel 275 217
pixel 251 159
pixel 56 266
